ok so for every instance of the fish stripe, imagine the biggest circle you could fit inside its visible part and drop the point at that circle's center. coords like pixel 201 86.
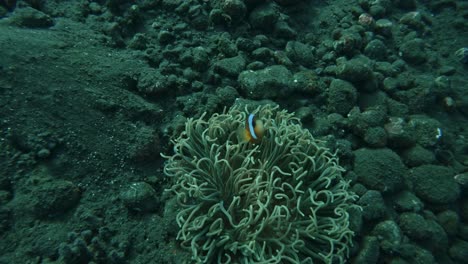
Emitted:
pixel 252 126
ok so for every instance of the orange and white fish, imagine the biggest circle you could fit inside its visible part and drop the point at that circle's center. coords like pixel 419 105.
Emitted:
pixel 253 131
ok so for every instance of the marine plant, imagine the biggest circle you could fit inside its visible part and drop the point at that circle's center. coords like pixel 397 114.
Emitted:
pixel 282 200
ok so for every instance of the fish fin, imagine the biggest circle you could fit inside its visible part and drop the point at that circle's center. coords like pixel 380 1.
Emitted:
pixel 243 135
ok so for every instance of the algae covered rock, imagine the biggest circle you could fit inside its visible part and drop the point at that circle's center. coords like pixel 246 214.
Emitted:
pixel 264 16
pixel 270 82
pixel 342 96
pixel 355 70
pixel 435 184
pixel 413 51
pixel 389 234
pixel 140 197
pixel 414 226
pixel 379 169
pixel 373 205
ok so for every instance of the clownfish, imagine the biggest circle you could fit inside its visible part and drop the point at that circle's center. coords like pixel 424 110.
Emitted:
pixel 253 131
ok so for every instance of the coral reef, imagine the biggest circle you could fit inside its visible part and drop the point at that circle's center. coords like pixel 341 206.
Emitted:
pixel 282 200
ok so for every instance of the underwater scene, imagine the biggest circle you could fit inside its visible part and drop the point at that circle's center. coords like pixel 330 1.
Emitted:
pixel 233 131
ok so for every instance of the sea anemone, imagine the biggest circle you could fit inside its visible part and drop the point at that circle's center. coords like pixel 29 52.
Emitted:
pixel 281 200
